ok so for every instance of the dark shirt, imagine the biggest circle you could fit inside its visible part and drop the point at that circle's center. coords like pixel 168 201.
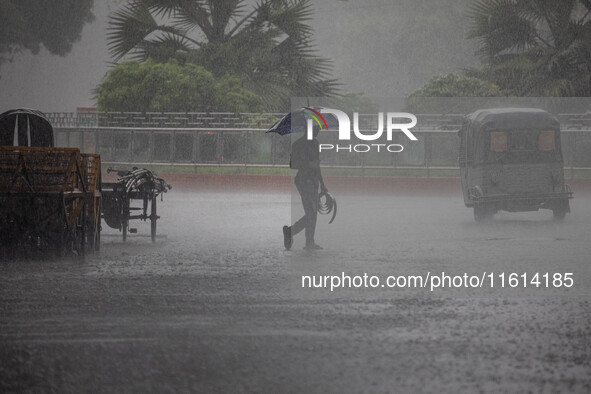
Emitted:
pixel 304 151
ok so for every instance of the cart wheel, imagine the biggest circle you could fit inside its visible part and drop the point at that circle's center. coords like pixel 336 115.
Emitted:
pixel 153 219
pixel 125 218
pixel 125 224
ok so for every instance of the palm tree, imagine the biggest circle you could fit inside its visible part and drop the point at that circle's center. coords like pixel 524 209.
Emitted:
pixel 534 47
pixel 269 47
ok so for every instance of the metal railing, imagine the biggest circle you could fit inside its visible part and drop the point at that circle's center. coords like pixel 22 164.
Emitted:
pixel 162 119
pixel 162 146
pixel 240 140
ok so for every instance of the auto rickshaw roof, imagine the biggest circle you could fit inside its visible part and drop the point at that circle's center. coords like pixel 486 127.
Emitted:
pixel 512 118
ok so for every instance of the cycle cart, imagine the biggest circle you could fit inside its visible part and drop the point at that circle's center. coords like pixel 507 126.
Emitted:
pixel 133 196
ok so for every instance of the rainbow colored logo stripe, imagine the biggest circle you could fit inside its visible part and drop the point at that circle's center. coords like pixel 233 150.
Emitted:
pixel 315 115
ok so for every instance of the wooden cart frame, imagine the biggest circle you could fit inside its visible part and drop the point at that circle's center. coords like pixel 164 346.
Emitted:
pixel 50 201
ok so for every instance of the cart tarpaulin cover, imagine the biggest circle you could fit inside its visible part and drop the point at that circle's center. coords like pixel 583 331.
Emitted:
pixel 25 127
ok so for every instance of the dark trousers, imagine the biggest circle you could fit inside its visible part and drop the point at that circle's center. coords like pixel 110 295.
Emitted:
pixel 308 189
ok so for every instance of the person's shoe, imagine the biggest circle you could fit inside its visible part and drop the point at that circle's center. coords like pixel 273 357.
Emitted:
pixel 287 238
pixel 313 247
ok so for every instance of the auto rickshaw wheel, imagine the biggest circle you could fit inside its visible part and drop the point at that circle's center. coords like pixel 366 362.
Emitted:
pixel 560 209
pixel 482 212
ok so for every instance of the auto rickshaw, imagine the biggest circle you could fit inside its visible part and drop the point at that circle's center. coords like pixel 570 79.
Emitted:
pixel 511 159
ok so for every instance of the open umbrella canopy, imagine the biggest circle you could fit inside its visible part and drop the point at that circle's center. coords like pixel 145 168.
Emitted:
pixel 296 121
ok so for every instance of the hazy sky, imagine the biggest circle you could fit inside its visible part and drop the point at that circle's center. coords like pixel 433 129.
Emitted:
pixel 372 53
pixel 59 84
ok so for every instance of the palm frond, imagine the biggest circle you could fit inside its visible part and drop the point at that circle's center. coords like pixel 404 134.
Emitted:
pixel 269 48
pixel 128 28
pixel 560 87
pixel 192 14
pixel 164 8
pixel 500 27
pixel 163 47
pixel 131 30
pixel 291 18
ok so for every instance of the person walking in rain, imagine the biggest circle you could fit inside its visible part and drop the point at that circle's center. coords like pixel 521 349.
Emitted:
pixel 305 157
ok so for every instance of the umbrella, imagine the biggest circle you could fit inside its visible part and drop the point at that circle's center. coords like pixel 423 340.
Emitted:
pixel 295 121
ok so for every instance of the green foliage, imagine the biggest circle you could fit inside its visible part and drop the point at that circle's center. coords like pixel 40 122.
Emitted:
pixel 534 47
pixel 55 24
pixel 269 48
pixel 231 96
pixel 452 85
pixel 425 99
pixel 151 86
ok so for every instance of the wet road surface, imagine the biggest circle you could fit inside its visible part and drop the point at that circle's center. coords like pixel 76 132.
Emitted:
pixel 216 304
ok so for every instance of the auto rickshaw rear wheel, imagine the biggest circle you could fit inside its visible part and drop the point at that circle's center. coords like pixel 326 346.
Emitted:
pixel 483 212
pixel 560 209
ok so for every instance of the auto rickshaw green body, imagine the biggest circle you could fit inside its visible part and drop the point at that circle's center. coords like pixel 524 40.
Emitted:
pixel 511 159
